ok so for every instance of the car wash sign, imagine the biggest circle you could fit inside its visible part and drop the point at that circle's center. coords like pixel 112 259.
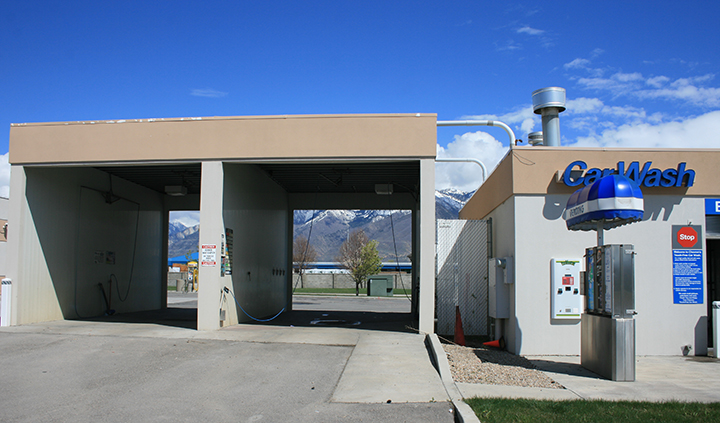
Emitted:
pixel 644 175
pixel 687 264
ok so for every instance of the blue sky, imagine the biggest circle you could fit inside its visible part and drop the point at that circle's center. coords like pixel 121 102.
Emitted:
pixel 637 74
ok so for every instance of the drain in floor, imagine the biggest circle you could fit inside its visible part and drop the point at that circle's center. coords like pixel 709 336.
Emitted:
pixel 333 322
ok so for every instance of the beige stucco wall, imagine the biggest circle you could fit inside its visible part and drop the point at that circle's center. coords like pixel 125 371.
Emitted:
pixel 258 137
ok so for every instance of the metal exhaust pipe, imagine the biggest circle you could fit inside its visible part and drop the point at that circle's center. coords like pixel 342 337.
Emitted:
pixel 549 102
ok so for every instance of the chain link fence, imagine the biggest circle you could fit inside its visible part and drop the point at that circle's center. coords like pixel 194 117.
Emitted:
pixel 461 273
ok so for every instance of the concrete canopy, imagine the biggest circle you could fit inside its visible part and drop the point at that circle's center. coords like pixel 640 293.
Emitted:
pixel 243 173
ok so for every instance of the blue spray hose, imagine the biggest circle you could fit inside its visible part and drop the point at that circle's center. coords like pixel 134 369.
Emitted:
pixel 227 291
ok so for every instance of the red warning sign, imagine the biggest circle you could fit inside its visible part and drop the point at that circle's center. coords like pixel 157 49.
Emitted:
pixel 209 255
pixel 687 237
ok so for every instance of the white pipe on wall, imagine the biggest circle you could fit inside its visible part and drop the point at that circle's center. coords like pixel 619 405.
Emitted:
pixel 482 165
pixel 496 123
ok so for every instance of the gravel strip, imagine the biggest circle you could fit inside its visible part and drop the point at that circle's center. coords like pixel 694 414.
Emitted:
pixel 494 367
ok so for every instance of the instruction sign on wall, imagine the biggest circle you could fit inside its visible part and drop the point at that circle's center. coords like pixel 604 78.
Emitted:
pixel 208 254
pixel 687 264
pixel 227 253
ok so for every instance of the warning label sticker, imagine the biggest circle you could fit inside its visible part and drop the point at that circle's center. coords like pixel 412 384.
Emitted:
pixel 208 255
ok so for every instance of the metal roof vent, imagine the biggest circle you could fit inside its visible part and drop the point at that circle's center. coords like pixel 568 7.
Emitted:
pixel 549 102
pixel 535 138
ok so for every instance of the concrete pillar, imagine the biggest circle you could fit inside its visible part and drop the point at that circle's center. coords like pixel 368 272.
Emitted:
pixel 415 275
pixel 290 270
pixel 212 229
pixel 17 210
pixel 426 261
pixel 164 273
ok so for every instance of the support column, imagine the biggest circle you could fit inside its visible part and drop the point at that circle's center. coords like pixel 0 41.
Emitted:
pixel 415 273
pixel 164 273
pixel 212 228
pixel 426 261
pixel 290 270
pixel 18 209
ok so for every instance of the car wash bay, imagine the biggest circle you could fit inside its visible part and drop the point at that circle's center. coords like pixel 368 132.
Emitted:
pixel 119 219
pixel 100 223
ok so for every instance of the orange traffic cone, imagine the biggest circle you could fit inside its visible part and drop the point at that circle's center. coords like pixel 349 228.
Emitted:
pixel 498 343
pixel 459 334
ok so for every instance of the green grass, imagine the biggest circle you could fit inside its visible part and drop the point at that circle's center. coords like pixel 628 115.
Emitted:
pixel 172 288
pixel 521 410
pixel 335 291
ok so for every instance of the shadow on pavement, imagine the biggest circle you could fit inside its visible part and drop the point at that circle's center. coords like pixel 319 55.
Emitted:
pixel 570 369
pixel 383 315
pixel 172 316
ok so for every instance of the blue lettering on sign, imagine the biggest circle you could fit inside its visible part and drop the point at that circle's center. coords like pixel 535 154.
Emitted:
pixel 644 177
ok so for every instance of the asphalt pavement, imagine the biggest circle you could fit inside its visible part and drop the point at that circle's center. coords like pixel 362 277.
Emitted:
pixel 146 367
pixel 353 359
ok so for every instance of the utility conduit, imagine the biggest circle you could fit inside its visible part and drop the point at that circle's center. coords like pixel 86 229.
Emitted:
pixel 496 123
pixel 470 160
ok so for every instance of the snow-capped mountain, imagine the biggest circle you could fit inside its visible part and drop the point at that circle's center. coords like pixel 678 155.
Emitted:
pixel 327 229
pixel 182 239
pixel 448 202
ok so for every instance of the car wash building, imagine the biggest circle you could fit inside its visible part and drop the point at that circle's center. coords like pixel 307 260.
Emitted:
pixel 538 309
pixel 90 203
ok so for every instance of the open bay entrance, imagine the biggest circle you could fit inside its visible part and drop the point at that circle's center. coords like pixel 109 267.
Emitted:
pixel 246 175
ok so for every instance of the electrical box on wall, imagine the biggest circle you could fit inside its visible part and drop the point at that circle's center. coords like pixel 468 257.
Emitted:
pixel 565 285
pixel 499 278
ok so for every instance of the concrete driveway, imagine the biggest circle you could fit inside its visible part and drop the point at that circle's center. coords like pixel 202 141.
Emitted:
pixel 125 370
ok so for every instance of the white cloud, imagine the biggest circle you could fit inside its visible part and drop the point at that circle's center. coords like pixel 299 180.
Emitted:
pixel 467 176
pixel 628 77
pixel 688 90
pixel 508 46
pixel 596 52
pixel 584 105
pixel 657 81
pixel 522 120
pixel 684 89
pixel 690 132
pixel 530 31
pixel 577 64
pixel 5 176
pixel 207 92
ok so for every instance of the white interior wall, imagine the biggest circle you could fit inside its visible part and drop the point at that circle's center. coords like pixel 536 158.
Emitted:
pixel 256 209
pixel 662 327
pixel 63 229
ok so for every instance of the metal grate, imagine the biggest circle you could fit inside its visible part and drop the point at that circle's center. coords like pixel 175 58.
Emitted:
pixel 461 275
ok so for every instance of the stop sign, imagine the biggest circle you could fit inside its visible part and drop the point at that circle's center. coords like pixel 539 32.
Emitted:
pixel 687 237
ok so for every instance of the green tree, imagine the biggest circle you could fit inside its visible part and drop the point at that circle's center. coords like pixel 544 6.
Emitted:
pixel 360 256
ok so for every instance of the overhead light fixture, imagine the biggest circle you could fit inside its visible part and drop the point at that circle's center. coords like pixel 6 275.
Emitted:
pixel 175 190
pixel 383 189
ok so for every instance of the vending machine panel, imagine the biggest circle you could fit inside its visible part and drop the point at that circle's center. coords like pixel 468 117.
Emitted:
pixel 566 298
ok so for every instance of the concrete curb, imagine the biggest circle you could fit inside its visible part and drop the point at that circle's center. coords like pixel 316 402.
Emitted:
pixel 463 412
